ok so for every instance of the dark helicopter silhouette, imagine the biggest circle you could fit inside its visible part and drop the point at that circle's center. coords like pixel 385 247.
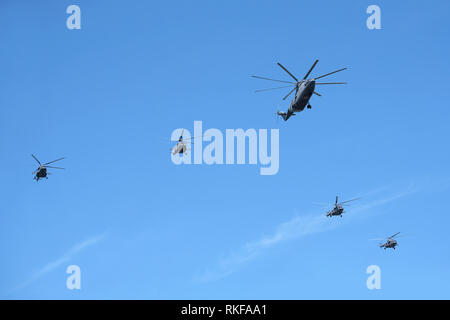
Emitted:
pixel 41 171
pixel 338 208
pixel 304 89
pixel 390 242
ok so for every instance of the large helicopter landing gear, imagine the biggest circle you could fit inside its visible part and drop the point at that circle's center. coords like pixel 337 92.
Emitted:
pixel 309 106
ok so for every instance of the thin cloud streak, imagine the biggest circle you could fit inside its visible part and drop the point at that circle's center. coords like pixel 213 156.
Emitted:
pixel 65 258
pixel 298 227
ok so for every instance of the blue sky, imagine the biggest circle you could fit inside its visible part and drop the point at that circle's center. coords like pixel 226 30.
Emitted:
pixel 108 97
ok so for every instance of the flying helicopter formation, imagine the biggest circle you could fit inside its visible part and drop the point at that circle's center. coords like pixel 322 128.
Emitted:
pixel 338 210
pixel 304 89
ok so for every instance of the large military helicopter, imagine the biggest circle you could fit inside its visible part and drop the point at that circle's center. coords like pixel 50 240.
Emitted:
pixel 390 242
pixel 304 89
pixel 41 171
pixel 338 209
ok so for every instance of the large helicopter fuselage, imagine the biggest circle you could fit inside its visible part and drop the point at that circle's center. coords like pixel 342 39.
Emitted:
pixel 302 95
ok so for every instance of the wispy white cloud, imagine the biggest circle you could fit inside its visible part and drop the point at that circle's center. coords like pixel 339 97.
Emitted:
pixel 63 259
pixel 297 227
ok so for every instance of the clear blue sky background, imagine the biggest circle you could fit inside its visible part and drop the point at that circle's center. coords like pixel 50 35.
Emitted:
pixel 108 97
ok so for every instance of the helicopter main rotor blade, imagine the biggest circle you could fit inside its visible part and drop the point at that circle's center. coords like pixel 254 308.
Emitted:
pixel 258 77
pixel 191 138
pixel 36 159
pixel 55 167
pixel 311 69
pixel 317 94
pixel 281 66
pixel 53 161
pixel 329 73
pixel 336 200
pixel 261 90
pixel 322 203
pixel 350 200
pixel 394 235
pixel 331 82
pixel 289 93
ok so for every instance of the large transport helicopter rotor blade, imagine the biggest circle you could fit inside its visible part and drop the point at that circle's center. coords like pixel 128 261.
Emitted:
pixel 331 82
pixel 53 161
pixel 258 77
pixel 282 67
pixel 36 159
pixel 285 97
pixel 325 75
pixel 311 69
pixel 317 94
pixel 54 167
pixel 261 90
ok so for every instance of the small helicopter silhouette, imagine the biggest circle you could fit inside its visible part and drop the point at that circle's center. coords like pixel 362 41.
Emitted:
pixel 304 89
pixel 390 242
pixel 41 171
pixel 181 147
pixel 338 209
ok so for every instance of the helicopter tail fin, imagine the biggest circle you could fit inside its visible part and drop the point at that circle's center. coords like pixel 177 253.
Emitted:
pixel 285 115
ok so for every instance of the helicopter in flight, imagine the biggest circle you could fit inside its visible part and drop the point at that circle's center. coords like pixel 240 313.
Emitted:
pixel 41 171
pixel 181 146
pixel 390 242
pixel 304 89
pixel 338 209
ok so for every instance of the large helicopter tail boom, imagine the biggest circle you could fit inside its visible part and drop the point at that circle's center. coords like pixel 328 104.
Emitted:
pixel 285 115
